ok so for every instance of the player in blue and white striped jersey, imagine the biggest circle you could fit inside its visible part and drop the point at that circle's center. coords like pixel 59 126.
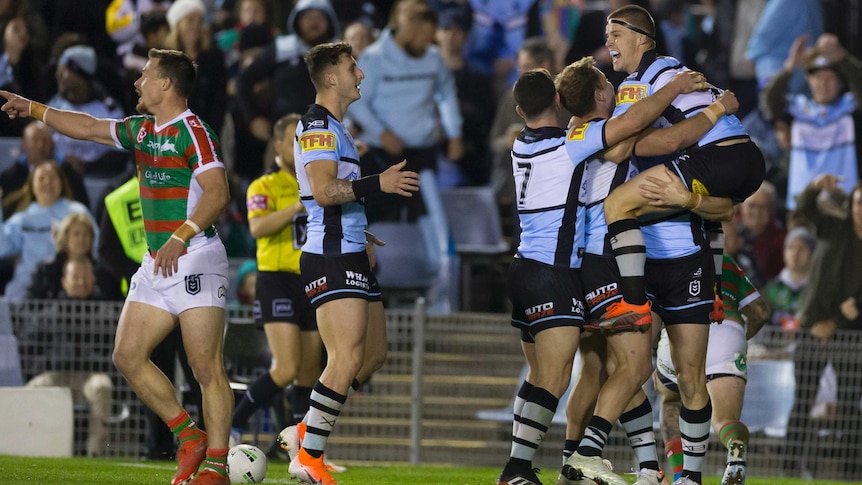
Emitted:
pixel 544 286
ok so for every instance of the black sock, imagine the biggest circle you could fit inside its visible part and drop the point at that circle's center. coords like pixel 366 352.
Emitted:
pixel 299 402
pixel 258 395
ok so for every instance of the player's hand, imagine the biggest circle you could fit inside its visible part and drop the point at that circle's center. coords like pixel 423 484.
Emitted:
pixel 666 190
pixel 167 258
pixel 829 46
pixel 687 81
pixel 395 180
pixel 372 241
pixel 15 106
pixel 391 143
pixel 728 101
pixel 828 182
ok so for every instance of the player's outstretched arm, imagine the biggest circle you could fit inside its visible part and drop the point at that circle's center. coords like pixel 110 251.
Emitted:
pixel 327 189
pixel 647 110
pixel 396 180
pixel 662 141
pixel 665 189
pixel 73 124
pixel 756 315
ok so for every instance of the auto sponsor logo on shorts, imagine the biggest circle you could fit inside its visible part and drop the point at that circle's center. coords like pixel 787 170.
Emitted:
pixel 631 93
pixel 282 307
pixel 352 278
pixel 577 132
pixel 193 284
pixel 316 287
pixel 538 311
pixel 595 297
pixel 317 141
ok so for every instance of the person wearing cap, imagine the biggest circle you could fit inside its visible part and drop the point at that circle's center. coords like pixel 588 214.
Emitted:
pixel 822 131
pixel 78 89
pixel 830 312
pixel 784 293
pixel 190 34
pixel 183 279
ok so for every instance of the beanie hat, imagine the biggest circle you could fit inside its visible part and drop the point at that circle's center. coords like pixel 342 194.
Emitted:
pixel 79 58
pixel 802 233
pixel 181 8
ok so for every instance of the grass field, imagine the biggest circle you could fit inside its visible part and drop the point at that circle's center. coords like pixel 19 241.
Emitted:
pixel 73 471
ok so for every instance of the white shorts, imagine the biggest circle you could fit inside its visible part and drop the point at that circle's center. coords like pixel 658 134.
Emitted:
pixel 201 280
pixel 725 355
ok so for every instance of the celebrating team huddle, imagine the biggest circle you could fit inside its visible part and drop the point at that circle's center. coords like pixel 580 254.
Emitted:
pixel 620 217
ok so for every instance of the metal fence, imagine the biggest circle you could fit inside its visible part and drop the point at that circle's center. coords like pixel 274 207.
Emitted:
pixel 445 393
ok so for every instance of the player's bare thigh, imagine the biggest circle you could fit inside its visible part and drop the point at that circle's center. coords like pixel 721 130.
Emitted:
pixel 140 329
pixel 626 201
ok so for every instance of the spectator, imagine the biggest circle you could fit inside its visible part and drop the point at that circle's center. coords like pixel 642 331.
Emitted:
pixel 763 233
pixel 20 67
pixel 79 89
pixel 37 146
pixel 406 85
pixel 830 302
pixel 359 35
pixel 191 35
pixel 499 29
pixel 251 12
pixel 310 23
pixel 246 278
pixel 475 95
pixel 74 240
pixel 775 32
pixel 46 201
pixel 154 30
pixel 784 292
pixel 822 134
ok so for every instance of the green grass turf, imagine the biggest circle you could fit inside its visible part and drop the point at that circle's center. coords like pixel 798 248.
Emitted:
pixel 73 471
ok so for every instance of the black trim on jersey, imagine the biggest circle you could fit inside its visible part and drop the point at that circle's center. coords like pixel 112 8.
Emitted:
pixel 333 232
pixel 716 142
pixel 542 152
pixel 687 112
pixel 543 209
pixel 316 112
pixel 663 70
pixel 349 160
pixel 532 135
pixel 307 197
pixel 566 233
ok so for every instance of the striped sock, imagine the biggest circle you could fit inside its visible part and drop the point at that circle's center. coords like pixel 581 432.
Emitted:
pixel 593 442
pixel 673 450
pixel 627 244
pixel 518 406
pixel 216 460
pixel 569 448
pixel 732 435
pixel 325 406
pixel 535 420
pixel 637 424
pixel 184 428
pixel 694 428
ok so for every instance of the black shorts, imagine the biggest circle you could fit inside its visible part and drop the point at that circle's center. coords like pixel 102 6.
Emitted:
pixel 599 278
pixel 328 278
pixel 734 171
pixel 281 299
pixel 544 296
pixel 681 289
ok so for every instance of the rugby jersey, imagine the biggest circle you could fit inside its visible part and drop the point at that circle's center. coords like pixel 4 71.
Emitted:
pixel 270 193
pixel 737 291
pixel 546 188
pixel 168 158
pixel 336 229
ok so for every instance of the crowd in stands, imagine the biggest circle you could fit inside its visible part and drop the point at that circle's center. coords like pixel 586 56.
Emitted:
pixel 437 92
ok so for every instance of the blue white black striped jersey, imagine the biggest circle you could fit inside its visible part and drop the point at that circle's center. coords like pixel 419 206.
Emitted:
pixel 546 189
pixel 653 73
pixel 337 229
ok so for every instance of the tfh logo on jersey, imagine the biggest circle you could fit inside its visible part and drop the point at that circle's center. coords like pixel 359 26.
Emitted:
pixel 316 287
pixel 631 93
pixel 577 132
pixel 317 141
pixel 538 311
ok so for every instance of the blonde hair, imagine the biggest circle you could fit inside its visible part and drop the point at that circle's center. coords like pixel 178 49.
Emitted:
pixel 61 238
pixel 23 197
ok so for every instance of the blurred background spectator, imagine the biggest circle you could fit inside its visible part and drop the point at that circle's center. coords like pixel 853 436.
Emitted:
pixel 762 233
pixel 784 293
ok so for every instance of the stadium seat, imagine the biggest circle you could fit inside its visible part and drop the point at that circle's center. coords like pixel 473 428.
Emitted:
pixel 769 397
pixel 404 268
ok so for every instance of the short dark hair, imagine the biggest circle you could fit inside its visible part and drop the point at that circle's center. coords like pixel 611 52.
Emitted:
pixel 151 22
pixel 637 17
pixel 534 92
pixel 324 56
pixel 178 67
pixel 577 84
pixel 283 122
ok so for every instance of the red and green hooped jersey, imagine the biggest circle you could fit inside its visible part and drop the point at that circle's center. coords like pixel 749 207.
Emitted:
pixel 737 291
pixel 168 158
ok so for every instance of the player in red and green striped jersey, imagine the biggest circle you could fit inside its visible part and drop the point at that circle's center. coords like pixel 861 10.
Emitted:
pixel 183 277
